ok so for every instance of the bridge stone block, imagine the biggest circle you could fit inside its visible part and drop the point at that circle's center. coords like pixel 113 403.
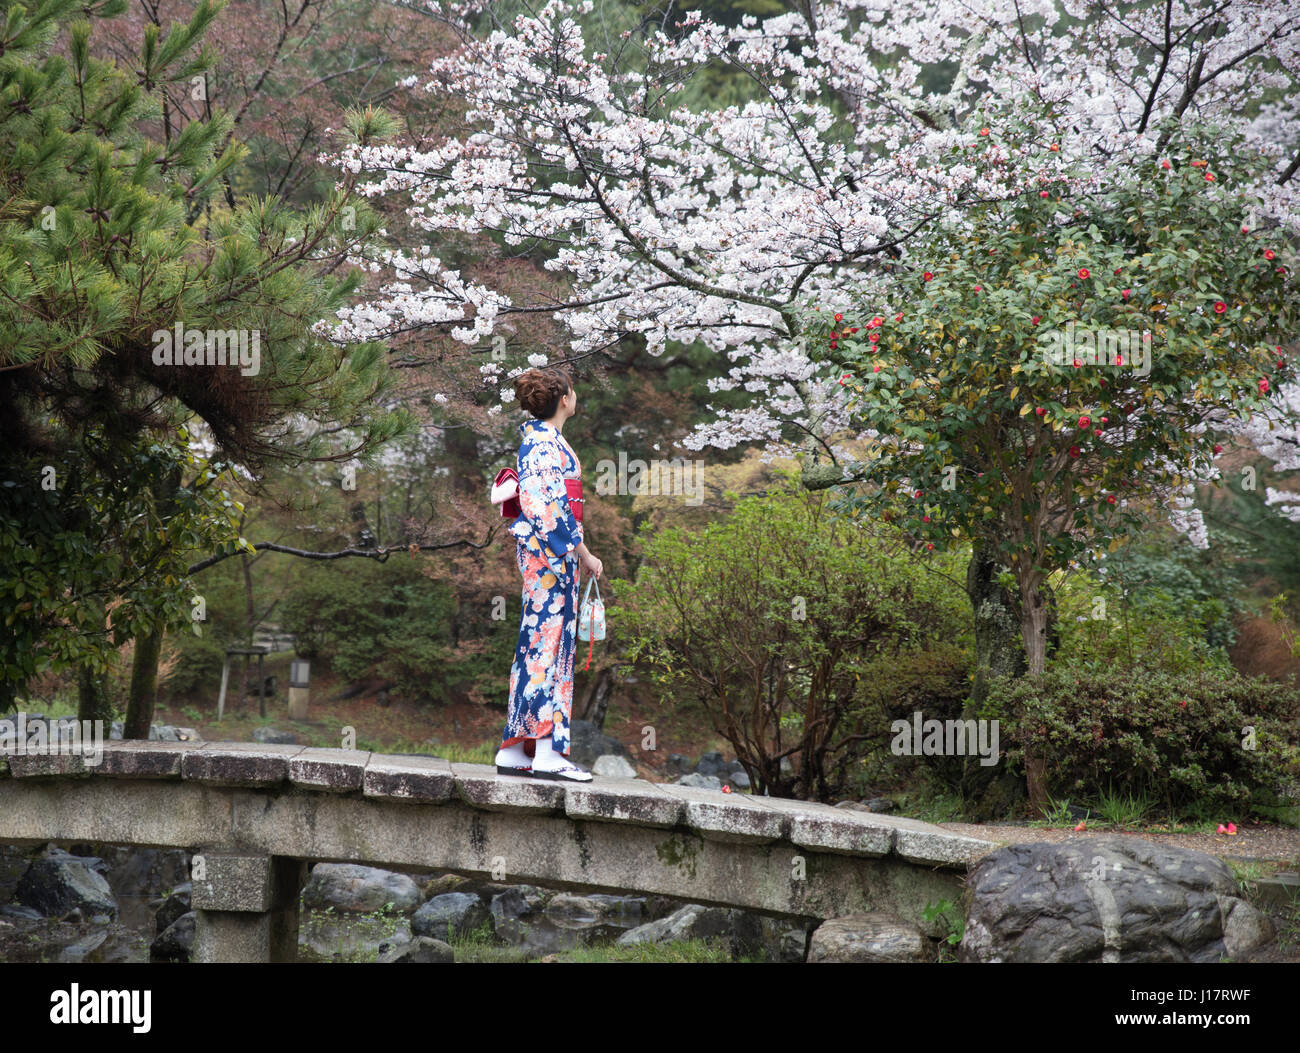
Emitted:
pixel 419 780
pixel 144 760
pixel 732 818
pixel 331 770
pixel 479 786
pixel 39 765
pixel 823 828
pixel 239 763
pixel 626 800
pixel 247 908
pixel 939 847
pixel 231 882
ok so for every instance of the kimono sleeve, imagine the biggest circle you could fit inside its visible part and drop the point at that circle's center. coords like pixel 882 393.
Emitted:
pixel 543 499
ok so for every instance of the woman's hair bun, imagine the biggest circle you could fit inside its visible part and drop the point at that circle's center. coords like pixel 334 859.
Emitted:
pixel 539 391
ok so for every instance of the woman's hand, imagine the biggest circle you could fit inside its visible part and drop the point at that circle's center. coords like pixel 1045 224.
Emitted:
pixel 590 562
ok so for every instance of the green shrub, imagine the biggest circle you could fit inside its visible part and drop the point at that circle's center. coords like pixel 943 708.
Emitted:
pixel 1177 739
pixel 198 665
pixel 796 631
pixel 377 619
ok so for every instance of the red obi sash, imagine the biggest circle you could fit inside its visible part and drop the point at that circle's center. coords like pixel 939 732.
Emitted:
pixel 507 483
pixel 574 487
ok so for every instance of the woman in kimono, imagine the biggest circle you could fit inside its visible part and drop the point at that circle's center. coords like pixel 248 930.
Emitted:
pixel 548 548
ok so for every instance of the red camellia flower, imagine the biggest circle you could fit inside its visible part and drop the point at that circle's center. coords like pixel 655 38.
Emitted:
pixel 877 321
pixel 925 519
pixel 1075 451
pixel 1084 272
pixel 1034 320
pixel 1209 177
pixel 1041 411
pixel 984 131
pixel 1165 165
pixel 1043 193
pixel 839 318
pixel 1110 499
pixel 834 345
pixel 873 337
pixel 1263 387
pixel 898 317
pixel 1197 164
pixel 875 369
pixel 1220 307
pixel 1245 230
pixel 978 288
pixel 1105 420
pixel 1269 254
pixel 929 546
pixel 917 494
pixel 1218 448
pixel 1119 360
pixel 1078 364
pixel 1117 270
pixel 835 336
pixel 1096 431
pixel 1127 293
pixel 1084 422
pixel 927 276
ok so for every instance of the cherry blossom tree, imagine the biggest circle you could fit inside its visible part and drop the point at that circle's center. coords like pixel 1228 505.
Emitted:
pixel 728 226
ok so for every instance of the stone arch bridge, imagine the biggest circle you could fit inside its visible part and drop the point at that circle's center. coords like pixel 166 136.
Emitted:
pixel 256 816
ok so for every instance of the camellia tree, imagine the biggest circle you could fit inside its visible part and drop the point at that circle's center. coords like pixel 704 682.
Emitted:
pixel 1064 357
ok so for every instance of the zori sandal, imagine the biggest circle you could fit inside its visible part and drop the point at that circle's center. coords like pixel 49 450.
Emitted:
pixel 568 772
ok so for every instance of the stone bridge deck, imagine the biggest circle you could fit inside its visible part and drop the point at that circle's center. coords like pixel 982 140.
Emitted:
pixel 255 815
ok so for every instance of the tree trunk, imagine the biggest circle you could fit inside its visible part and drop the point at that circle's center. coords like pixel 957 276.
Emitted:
pixel 93 702
pixel 999 651
pixel 143 695
pixel 144 686
pixel 1034 619
pixel 598 698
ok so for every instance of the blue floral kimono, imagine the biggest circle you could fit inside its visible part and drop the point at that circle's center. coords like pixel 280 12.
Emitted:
pixel 546 534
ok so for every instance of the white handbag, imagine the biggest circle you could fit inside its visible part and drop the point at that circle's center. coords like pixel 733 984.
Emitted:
pixel 591 621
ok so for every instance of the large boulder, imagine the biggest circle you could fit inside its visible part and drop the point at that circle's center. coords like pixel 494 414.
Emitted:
pixel 173 907
pixel 57 883
pixel 448 916
pixel 700 782
pixel 869 938
pixel 692 922
pixel 514 909
pixel 587 743
pixel 357 889
pixel 423 950
pixel 612 765
pixel 712 764
pixel 1107 899
pixel 176 942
